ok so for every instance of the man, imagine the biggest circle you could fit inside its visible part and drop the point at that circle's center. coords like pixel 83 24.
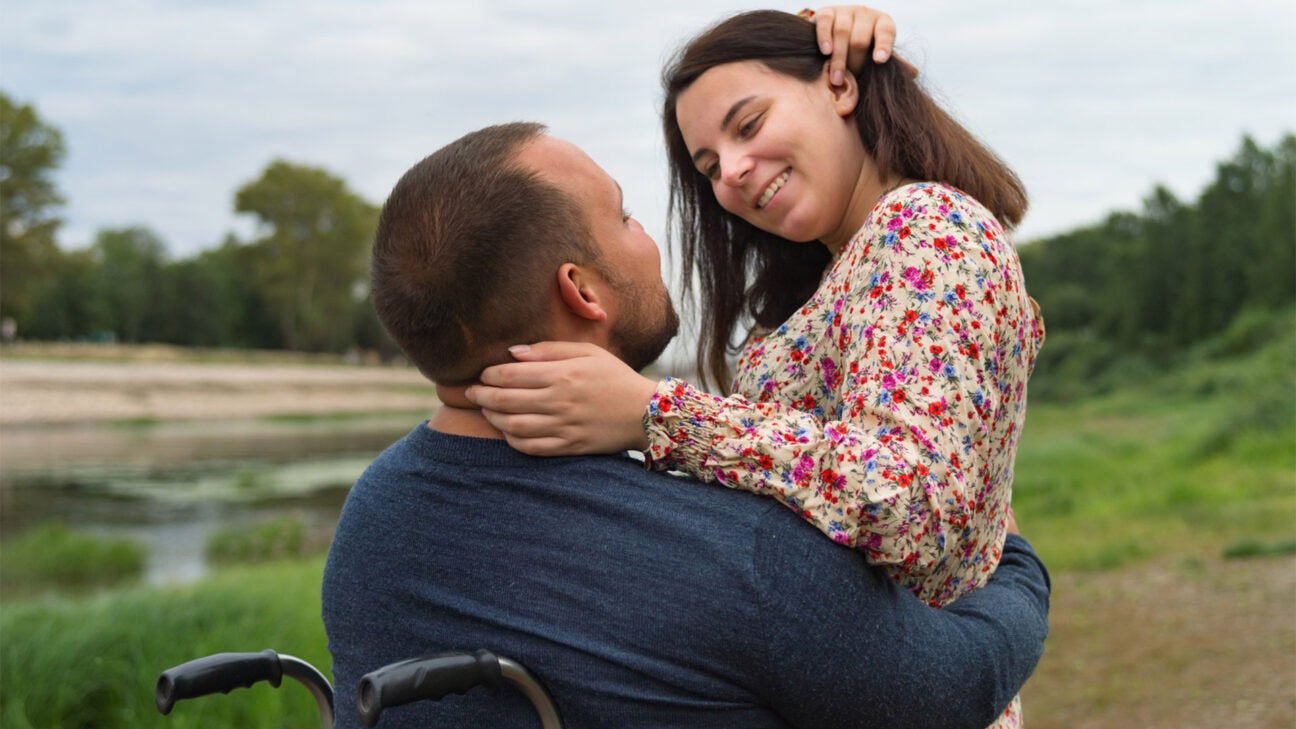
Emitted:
pixel 638 598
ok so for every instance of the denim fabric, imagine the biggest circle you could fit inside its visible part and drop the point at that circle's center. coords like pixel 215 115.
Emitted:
pixel 646 600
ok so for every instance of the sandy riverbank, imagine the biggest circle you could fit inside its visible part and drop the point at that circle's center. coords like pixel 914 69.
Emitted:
pixel 36 392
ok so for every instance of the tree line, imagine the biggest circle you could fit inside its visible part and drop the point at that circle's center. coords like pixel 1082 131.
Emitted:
pixel 298 284
pixel 1143 284
pixel 1137 289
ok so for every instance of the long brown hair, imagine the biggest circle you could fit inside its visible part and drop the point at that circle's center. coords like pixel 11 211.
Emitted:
pixel 743 272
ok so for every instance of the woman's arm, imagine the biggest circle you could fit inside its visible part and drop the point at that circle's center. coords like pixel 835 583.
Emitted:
pixel 921 339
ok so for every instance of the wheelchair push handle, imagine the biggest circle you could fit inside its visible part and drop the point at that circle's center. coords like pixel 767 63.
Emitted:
pixel 224 672
pixel 219 673
pixel 434 677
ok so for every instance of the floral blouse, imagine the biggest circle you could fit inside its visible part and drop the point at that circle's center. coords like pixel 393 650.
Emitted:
pixel 886 411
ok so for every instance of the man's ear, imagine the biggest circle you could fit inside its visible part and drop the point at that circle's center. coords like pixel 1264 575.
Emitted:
pixel 845 96
pixel 581 292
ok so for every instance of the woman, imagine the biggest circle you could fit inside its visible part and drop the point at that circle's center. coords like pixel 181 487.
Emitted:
pixel 882 389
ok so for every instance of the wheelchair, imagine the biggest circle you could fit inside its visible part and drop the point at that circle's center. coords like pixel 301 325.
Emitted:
pixel 417 679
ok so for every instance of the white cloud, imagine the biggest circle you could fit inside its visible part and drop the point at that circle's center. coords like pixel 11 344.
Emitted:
pixel 169 107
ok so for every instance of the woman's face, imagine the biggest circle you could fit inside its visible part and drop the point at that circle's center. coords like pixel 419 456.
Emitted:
pixel 780 153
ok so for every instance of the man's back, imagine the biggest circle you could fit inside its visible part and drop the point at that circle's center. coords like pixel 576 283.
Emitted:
pixel 637 598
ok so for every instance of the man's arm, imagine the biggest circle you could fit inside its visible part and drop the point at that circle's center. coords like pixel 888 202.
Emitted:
pixel 847 647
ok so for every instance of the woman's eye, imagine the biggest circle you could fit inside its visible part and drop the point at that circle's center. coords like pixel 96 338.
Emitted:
pixel 746 129
pixel 712 171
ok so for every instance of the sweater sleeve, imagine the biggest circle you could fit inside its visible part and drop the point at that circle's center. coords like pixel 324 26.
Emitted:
pixel 921 319
pixel 877 656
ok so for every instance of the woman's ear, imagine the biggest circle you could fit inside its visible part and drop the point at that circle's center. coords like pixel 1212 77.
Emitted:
pixel 581 292
pixel 845 96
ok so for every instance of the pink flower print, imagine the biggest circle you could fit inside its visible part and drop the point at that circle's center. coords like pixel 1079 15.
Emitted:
pixel 895 223
pixel 801 472
pixel 829 373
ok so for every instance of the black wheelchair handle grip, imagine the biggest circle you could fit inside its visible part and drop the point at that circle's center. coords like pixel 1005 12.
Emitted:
pixel 219 673
pixel 430 677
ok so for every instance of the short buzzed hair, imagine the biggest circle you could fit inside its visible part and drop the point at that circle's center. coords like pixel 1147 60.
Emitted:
pixel 466 250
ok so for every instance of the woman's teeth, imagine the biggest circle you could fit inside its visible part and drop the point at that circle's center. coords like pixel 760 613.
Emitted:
pixel 774 187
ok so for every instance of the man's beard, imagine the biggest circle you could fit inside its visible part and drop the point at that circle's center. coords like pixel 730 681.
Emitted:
pixel 648 324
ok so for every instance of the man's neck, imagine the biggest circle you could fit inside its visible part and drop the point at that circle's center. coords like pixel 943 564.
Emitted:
pixel 458 416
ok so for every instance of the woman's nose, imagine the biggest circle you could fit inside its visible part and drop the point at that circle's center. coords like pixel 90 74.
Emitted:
pixel 734 169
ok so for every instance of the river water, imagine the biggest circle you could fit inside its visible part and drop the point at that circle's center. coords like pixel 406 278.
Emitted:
pixel 171 485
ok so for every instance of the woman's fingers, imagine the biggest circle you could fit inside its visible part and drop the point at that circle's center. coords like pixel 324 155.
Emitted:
pixel 523 425
pixel 536 435
pixel 823 20
pixel 841 47
pixel 513 399
pixel 852 35
pixel 553 351
pixel 881 36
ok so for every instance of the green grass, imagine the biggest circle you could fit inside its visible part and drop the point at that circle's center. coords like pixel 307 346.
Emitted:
pixel 52 556
pixel 94 663
pixel 1200 459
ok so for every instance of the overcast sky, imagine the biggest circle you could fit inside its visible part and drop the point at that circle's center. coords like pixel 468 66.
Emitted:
pixel 168 107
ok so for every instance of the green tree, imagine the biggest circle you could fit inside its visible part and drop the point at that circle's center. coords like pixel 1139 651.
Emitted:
pixel 215 300
pixel 1136 289
pixel 30 151
pixel 64 304
pixel 310 256
pixel 128 284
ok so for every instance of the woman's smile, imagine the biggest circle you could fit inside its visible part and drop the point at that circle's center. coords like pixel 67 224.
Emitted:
pixel 773 188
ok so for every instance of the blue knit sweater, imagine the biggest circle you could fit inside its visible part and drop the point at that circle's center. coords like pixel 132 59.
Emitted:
pixel 646 600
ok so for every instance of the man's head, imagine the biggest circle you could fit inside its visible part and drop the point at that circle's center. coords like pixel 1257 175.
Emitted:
pixel 508 236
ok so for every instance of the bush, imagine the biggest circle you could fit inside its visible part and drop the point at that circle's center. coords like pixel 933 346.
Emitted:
pixel 282 538
pixel 1244 548
pixel 52 556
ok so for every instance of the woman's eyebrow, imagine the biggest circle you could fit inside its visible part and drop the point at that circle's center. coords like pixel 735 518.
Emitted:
pixel 733 111
pixel 724 123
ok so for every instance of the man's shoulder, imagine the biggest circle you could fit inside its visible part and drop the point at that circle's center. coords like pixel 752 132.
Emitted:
pixel 616 486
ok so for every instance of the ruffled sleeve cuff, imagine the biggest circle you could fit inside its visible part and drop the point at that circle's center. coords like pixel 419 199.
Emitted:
pixel 681 423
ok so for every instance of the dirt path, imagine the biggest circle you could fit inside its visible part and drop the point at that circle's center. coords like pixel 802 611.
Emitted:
pixel 50 392
pixel 1179 642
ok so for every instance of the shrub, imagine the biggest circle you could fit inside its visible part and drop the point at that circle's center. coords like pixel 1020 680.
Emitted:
pixel 53 556
pixel 281 538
